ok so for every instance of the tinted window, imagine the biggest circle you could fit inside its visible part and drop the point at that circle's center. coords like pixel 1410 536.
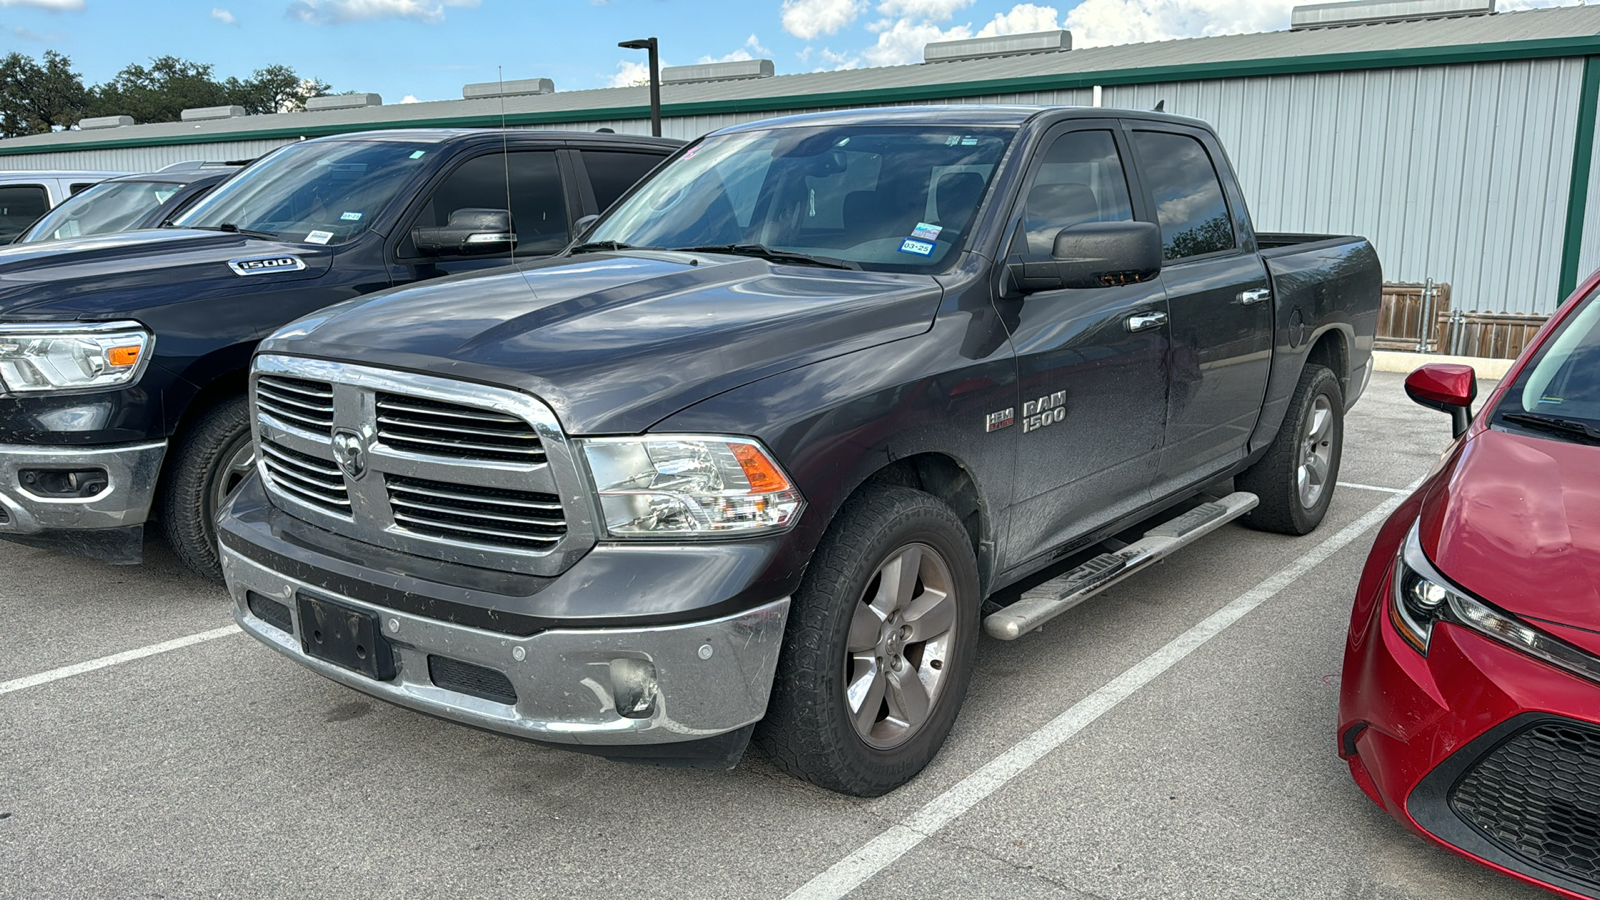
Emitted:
pixel 20 204
pixel 105 207
pixel 1189 203
pixel 1081 180
pixel 611 173
pixel 82 186
pixel 532 181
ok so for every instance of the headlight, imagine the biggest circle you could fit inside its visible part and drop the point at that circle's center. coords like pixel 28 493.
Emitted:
pixel 72 357
pixel 1422 598
pixel 689 486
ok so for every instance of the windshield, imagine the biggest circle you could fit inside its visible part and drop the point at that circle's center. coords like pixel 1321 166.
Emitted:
pixel 1563 380
pixel 880 196
pixel 101 209
pixel 317 192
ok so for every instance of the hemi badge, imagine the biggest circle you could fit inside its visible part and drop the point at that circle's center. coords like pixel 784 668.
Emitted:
pixel 998 420
pixel 261 265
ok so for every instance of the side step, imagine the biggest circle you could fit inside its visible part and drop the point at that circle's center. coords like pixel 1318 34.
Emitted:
pixel 1046 601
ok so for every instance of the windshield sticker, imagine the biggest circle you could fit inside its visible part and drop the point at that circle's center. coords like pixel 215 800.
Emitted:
pixel 969 142
pixel 926 232
pixel 351 217
pixel 319 237
pixel 418 154
pixel 952 140
pixel 920 248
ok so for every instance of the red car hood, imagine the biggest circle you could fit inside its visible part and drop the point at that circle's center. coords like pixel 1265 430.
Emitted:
pixel 1518 524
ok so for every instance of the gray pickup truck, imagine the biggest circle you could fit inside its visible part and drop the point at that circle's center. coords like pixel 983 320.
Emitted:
pixel 758 456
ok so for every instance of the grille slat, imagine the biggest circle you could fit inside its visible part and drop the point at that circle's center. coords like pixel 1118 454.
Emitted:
pixel 296 401
pixel 1537 796
pixel 475 514
pixel 454 430
pixel 306 478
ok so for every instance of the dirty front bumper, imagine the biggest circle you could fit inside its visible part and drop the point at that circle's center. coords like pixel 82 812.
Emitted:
pixel 107 524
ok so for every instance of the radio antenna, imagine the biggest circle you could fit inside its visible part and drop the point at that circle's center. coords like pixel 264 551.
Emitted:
pixel 505 160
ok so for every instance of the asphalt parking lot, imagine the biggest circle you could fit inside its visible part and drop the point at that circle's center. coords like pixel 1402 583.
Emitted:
pixel 1171 738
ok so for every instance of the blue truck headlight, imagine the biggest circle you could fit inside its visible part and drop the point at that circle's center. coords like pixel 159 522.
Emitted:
pixel 37 358
pixel 679 486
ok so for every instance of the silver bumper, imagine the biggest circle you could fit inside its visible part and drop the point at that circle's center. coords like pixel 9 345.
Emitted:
pixel 710 677
pixel 132 472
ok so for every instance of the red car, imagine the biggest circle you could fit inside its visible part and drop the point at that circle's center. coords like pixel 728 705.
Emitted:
pixel 1470 703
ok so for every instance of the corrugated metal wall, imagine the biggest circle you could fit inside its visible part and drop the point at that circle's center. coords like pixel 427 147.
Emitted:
pixel 1456 173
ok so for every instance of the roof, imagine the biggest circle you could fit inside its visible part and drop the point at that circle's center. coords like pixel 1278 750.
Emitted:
pixel 1527 34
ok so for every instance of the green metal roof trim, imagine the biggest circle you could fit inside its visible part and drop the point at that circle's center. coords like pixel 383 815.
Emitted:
pixel 1543 48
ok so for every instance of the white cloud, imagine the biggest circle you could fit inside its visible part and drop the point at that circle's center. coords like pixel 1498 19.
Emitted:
pixel 630 74
pixel 410 98
pixel 334 12
pixel 928 10
pixel 1095 23
pixel 223 16
pixel 51 5
pixel 752 49
pixel 805 19
pixel 1024 18
pixel 900 41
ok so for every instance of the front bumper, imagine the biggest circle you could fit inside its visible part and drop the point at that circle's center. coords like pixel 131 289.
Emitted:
pixel 1458 747
pixel 710 678
pixel 132 471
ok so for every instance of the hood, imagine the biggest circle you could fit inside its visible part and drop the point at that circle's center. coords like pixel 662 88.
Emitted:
pixel 108 275
pixel 1518 524
pixel 615 343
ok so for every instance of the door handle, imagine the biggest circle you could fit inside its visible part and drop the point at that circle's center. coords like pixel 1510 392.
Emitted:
pixel 1145 321
pixel 1254 296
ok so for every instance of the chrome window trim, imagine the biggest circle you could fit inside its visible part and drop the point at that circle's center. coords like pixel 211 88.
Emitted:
pixel 355 390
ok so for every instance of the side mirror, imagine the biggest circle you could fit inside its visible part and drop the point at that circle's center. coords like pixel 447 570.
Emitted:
pixel 467 231
pixel 1094 254
pixel 1447 387
pixel 580 228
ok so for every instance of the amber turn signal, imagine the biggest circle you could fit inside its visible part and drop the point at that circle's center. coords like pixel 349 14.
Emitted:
pixel 764 477
pixel 123 356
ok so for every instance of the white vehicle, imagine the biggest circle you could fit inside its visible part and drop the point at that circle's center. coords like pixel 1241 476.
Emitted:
pixel 25 196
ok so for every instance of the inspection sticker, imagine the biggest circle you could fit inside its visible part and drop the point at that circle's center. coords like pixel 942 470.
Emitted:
pixel 418 154
pixel 351 217
pixel 926 232
pixel 920 248
pixel 319 237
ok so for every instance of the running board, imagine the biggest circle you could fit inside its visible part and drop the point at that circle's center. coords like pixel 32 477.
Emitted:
pixel 1046 601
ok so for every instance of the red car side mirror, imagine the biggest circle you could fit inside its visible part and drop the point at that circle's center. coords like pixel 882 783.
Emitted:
pixel 1447 387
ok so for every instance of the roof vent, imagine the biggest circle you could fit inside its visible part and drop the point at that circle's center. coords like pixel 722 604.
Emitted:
pixel 735 70
pixel 105 122
pixel 343 101
pixel 522 87
pixel 1005 45
pixel 211 112
pixel 1367 12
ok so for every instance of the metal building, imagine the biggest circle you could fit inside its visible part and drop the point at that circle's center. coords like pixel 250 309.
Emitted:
pixel 1461 145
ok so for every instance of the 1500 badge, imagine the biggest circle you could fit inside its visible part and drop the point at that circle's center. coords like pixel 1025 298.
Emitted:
pixel 1044 412
pixel 261 265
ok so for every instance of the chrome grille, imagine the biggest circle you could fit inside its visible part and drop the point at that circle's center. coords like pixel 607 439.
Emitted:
pixel 306 478
pixel 296 402
pixel 477 515
pixel 437 428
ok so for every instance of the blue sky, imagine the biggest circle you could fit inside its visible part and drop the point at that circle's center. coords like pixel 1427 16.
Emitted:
pixel 427 49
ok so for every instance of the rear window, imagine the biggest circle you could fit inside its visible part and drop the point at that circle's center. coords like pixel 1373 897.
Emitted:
pixel 1188 195
pixel 20 204
pixel 612 173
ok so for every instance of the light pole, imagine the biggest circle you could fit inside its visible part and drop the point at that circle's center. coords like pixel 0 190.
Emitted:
pixel 655 79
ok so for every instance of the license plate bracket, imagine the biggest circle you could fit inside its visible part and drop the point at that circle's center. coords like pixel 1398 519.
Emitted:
pixel 349 638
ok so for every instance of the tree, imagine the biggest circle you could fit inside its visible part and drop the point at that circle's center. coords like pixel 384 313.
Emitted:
pixel 159 93
pixel 274 89
pixel 38 98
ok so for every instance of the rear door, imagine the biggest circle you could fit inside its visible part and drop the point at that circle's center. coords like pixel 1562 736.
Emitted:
pixel 1092 406
pixel 605 174
pixel 1218 296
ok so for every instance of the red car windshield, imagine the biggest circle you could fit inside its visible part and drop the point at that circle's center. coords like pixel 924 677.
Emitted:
pixel 1558 393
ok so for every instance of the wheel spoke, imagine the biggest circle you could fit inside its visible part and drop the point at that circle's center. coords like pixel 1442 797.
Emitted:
pixel 899 580
pixel 865 696
pixel 908 697
pixel 865 627
pixel 930 615
pixel 1317 469
pixel 1320 419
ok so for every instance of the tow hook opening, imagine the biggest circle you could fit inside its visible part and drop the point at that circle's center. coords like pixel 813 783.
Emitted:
pixel 634 687
pixel 75 483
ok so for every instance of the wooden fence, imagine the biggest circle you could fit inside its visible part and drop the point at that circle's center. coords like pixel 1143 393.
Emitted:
pixel 1405 307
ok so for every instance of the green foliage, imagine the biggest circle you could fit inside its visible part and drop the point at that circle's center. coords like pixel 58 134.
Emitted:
pixel 42 96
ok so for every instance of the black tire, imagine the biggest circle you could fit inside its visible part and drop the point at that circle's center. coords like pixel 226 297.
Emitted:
pixel 809 729
pixel 198 474
pixel 1275 478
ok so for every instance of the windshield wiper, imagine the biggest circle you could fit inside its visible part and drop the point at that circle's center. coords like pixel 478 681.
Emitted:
pixel 231 228
pixel 1554 424
pixel 768 253
pixel 596 246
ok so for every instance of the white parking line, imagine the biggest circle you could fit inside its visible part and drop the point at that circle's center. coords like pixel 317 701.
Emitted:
pixel 18 684
pixel 875 855
pixel 1373 487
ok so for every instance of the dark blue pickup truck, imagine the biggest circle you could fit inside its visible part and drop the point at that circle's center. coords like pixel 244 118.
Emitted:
pixel 123 357
pixel 755 456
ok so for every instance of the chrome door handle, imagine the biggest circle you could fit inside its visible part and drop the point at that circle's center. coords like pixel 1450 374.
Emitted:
pixel 1254 296
pixel 1145 321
